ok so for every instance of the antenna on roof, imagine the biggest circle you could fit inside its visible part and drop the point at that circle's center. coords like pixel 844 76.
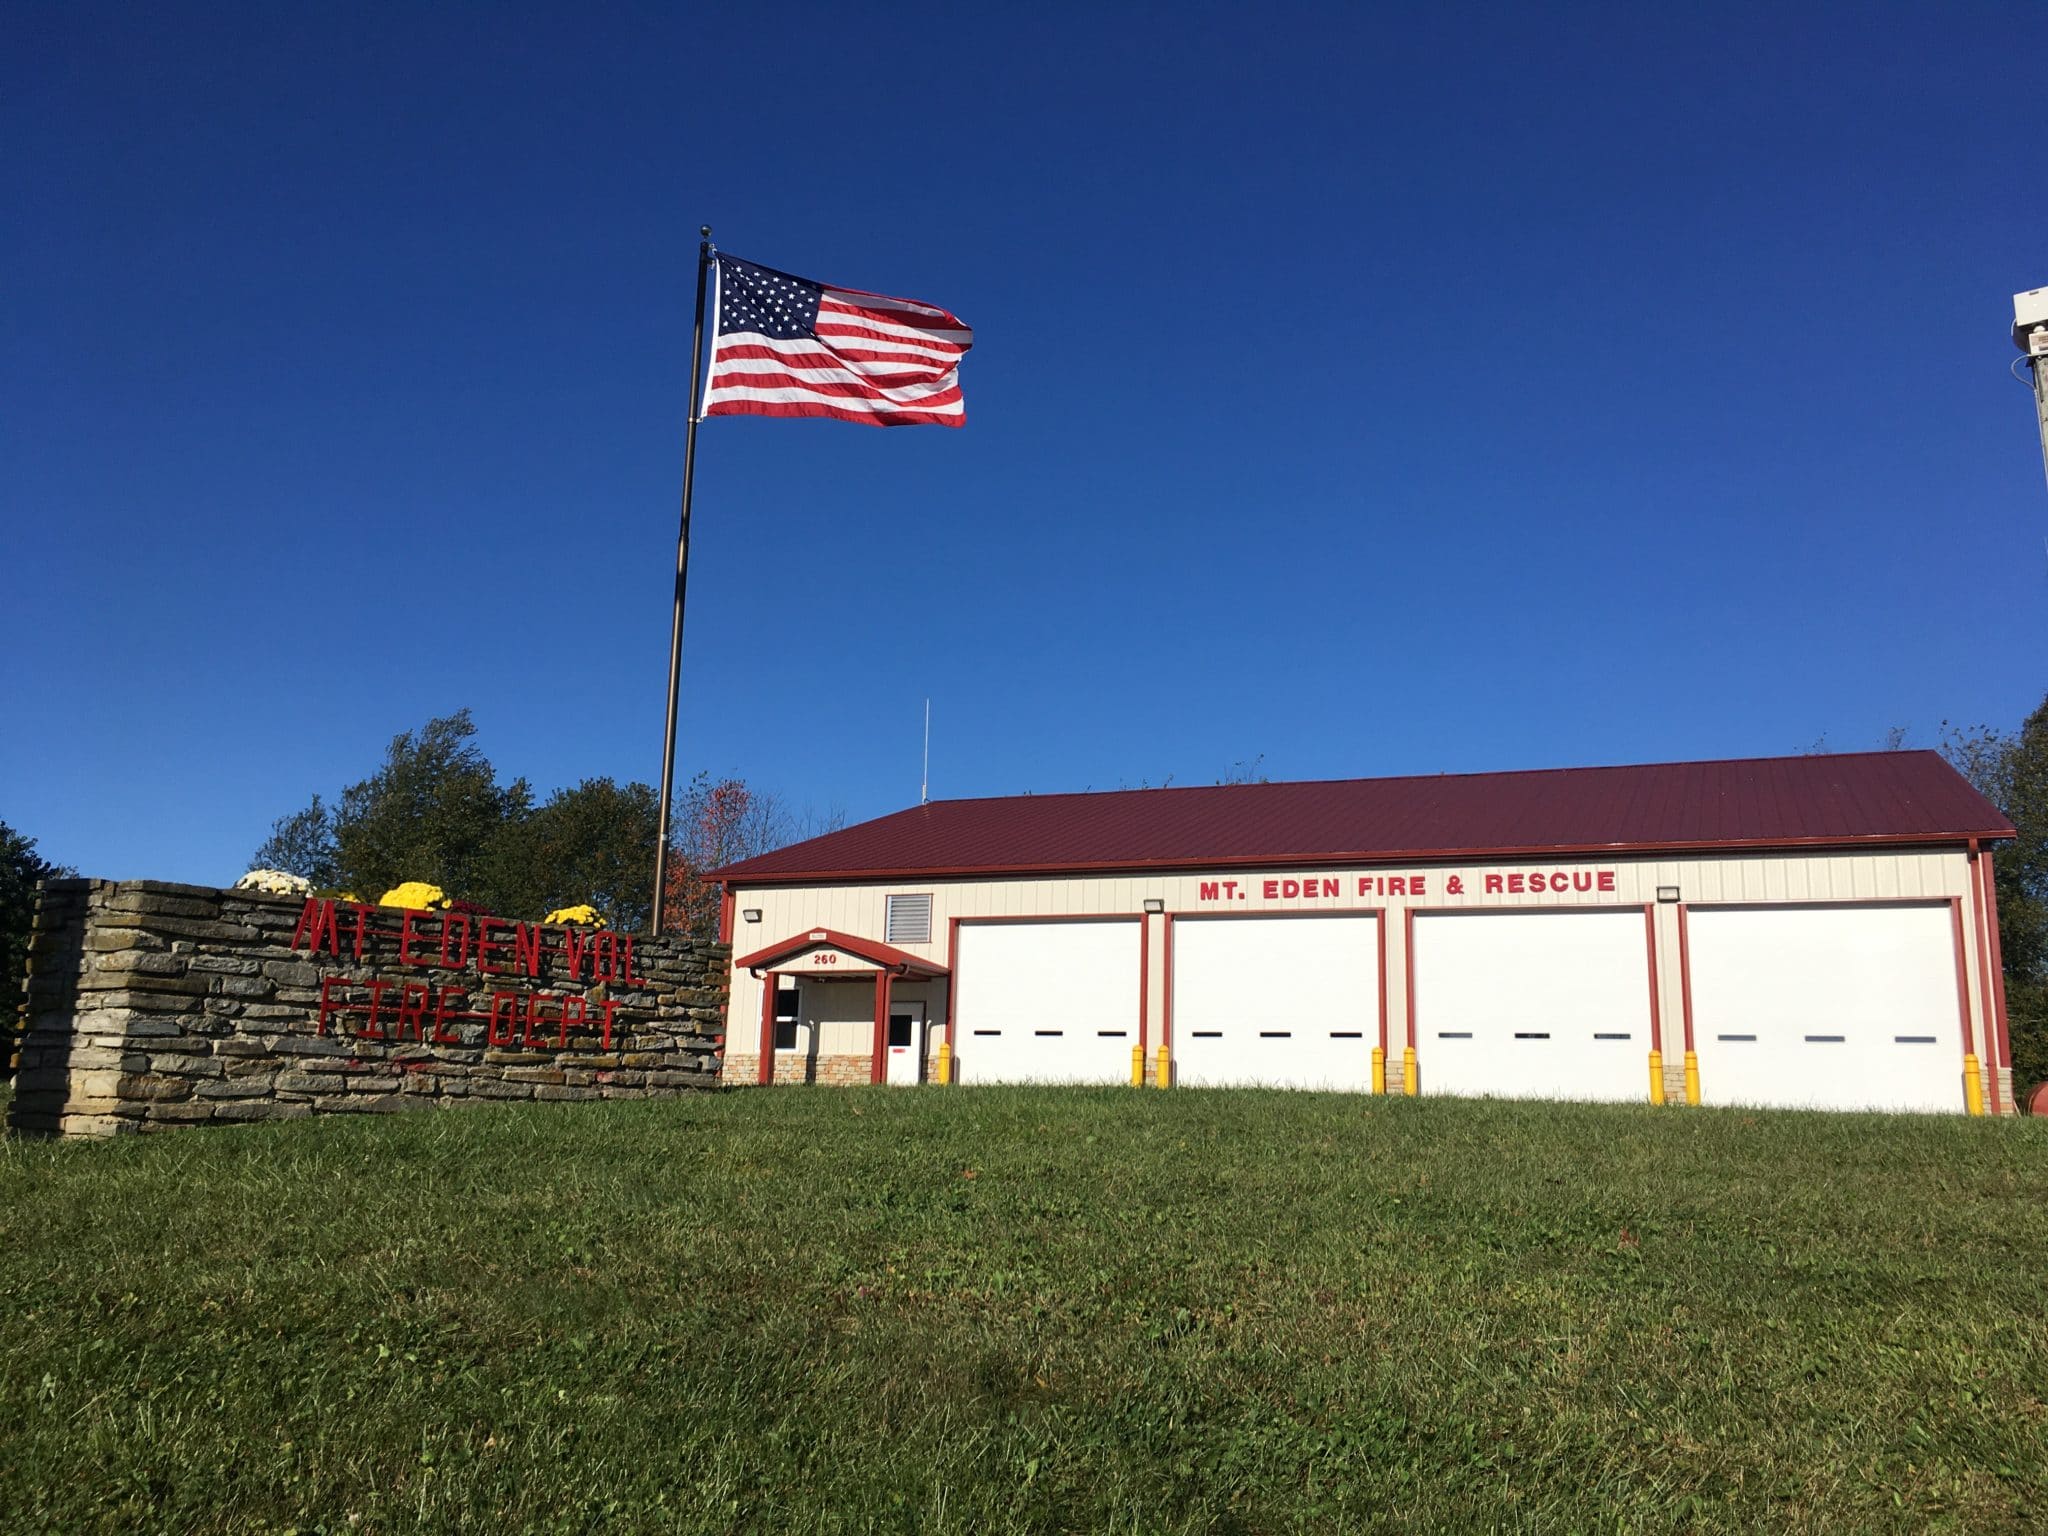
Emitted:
pixel 924 783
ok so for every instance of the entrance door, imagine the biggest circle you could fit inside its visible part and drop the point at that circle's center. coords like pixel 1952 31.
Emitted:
pixel 906 1043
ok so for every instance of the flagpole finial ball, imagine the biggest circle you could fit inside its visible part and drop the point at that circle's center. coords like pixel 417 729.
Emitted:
pixel 705 230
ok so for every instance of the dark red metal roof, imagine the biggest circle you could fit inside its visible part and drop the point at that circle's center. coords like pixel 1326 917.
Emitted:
pixel 1766 802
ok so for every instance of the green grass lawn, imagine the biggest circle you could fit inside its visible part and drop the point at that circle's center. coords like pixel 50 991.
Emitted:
pixel 1030 1310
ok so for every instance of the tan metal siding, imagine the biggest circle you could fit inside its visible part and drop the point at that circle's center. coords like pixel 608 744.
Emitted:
pixel 1702 880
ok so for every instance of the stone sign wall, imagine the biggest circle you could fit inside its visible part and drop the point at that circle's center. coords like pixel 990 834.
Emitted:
pixel 153 1005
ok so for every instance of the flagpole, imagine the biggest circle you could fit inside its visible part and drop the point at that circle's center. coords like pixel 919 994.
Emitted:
pixel 675 633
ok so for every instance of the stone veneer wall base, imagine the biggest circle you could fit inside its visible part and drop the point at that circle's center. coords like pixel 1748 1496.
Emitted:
pixel 790 1067
pixel 152 1006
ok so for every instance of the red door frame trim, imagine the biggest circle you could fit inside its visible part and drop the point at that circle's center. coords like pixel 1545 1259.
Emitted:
pixel 1955 909
pixel 1986 987
pixel 878 1066
pixel 2004 1035
pixel 766 1073
pixel 952 995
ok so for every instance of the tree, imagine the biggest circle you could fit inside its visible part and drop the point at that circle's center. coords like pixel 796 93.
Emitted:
pixel 21 867
pixel 715 824
pixel 2011 771
pixel 430 813
pixel 593 843
pixel 303 844
pixel 435 811
pixel 719 823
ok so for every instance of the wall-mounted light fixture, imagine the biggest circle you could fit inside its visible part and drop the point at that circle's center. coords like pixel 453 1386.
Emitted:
pixel 751 914
pixel 1667 893
pixel 1154 904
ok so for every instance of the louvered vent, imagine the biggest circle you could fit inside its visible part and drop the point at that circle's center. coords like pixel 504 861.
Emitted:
pixel 908 920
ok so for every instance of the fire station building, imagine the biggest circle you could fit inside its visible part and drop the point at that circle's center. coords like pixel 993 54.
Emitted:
pixel 1808 931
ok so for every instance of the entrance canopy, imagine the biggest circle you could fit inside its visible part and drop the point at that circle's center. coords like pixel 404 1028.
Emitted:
pixel 826 952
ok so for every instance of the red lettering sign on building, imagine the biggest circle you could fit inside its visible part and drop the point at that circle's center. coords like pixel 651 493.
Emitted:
pixel 1416 886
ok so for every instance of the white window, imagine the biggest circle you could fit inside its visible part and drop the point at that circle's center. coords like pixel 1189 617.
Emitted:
pixel 907 919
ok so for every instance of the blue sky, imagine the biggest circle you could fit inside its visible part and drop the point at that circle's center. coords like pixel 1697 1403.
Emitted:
pixel 1377 390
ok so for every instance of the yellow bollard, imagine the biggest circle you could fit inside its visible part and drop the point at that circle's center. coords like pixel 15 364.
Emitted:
pixel 1137 1066
pixel 1973 1086
pixel 1692 1078
pixel 1162 1075
pixel 942 1069
pixel 1411 1079
pixel 1656 1077
pixel 1379 1070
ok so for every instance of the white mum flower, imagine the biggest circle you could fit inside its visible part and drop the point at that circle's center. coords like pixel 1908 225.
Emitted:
pixel 276 882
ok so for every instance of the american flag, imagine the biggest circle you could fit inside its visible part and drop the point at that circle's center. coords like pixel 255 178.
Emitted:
pixel 786 346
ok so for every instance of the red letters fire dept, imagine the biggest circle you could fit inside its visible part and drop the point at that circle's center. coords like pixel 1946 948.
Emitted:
pixel 377 1008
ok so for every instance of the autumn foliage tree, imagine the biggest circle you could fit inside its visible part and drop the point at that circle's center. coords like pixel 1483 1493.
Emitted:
pixel 717 823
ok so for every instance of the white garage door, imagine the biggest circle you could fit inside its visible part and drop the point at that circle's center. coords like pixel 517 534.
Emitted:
pixel 1838 1007
pixel 1533 1005
pixel 1046 1002
pixel 1289 1001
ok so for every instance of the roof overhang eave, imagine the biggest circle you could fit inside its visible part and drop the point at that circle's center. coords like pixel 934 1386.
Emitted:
pixel 737 875
pixel 886 956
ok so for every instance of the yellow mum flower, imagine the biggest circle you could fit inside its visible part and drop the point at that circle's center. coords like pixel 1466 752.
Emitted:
pixel 585 916
pixel 416 895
